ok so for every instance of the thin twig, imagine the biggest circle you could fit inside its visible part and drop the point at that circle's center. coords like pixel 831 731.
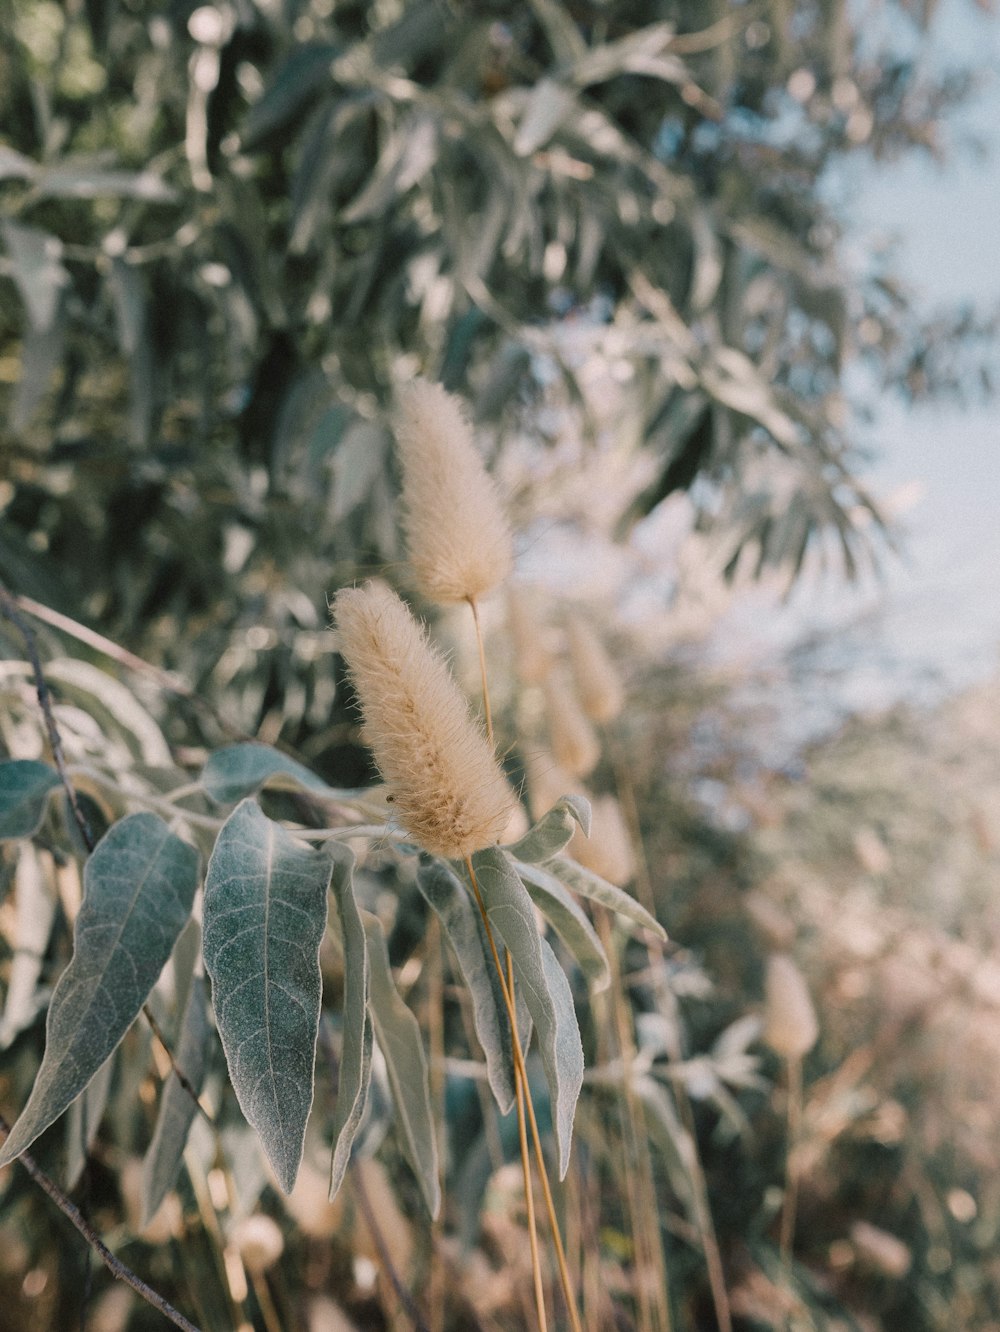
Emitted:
pixel 398 1285
pixel 114 1265
pixel 10 608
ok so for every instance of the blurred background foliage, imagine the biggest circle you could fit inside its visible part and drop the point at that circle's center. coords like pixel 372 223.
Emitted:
pixel 229 231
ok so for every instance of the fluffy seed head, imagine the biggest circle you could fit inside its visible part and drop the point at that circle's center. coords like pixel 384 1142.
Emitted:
pixel 532 661
pixel 456 532
pixel 608 849
pixel 450 793
pixel 597 680
pixel 790 1026
pixel 574 743
pixel 259 1241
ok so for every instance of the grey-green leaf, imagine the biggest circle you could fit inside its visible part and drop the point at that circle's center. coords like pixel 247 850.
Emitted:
pixel 177 1108
pixel 265 913
pixel 398 1035
pixel 24 791
pixel 460 920
pixel 356 1046
pixel 240 770
pixel 588 884
pixel 553 831
pixel 139 887
pixel 568 919
pixel 545 987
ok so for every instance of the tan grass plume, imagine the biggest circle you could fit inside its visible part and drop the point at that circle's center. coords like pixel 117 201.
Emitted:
pixel 532 659
pixel 457 534
pixel 450 793
pixel 790 1026
pixel 608 849
pixel 597 680
pixel 574 744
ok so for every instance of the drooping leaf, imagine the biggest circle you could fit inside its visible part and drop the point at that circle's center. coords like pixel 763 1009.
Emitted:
pixel 553 831
pixel 24 791
pixel 139 887
pixel 177 1109
pixel 84 180
pixel 588 884
pixel 265 913
pixel 238 771
pixel 37 270
pixel 398 1034
pixel 356 1046
pixel 569 921
pixel 546 989
pixel 35 910
pixel 84 1119
pixel 460 920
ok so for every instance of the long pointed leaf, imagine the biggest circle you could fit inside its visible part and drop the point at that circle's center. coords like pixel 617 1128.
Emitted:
pixel 460 920
pixel 546 989
pixel 24 792
pixel 356 1048
pixel 553 830
pixel 568 919
pixel 239 770
pixel 84 1119
pixel 398 1035
pixel 265 913
pixel 588 884
pixel 139 887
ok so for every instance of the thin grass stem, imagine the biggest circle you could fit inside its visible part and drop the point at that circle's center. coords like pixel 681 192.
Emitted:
pixel 791 1172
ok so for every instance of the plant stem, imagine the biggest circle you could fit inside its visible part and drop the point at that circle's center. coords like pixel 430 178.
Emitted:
pixel 529 1196
pixel 115 1265
pixel 487 711
pixel 791 1172
pixel 520 1069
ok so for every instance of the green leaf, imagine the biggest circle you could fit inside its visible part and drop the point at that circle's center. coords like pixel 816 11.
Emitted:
pixel 84 180
pixel 570 922
pixel 356 1047
pixel 37 271
pixel 553 831
pixel 398 1035
pixel 139 886
pixel 452 901
pixel 162 1161
pixel 24 791
pixel 546 989
pixel 240 770
pixel 591 885
pixel 265 913
pixel 84 1119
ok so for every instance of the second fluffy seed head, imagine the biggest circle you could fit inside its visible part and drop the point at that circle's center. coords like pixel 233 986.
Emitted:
pixel 457 535
pixel 451 794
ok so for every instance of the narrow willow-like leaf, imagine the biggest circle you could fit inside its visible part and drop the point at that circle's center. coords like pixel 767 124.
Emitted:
pixel 569 920
pixel 84 1119
pixel 553 831
pixel 163 1157
pixel 356 1047
pixel 398 1035
pixel 460 920
pixel 24 792
pixel 139 886
pixel 240 770
pixel 588 884
pixel 265 913
pixel 546 989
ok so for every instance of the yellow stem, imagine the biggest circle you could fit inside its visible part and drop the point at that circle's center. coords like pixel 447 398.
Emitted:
pixel 529 1195
pixel 521 1071
pixel 791 1173
pixel 487 711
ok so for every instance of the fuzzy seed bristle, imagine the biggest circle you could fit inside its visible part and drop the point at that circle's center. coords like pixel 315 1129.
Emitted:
pixel 457 535
pixel 451 794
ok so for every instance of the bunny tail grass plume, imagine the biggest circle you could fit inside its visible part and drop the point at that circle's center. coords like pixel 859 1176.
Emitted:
pixel 790 1026
pixel 574 744
pixel 597 680
pixel 608 849
pixel 457 536
pixel 451 795
pixel 532 660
